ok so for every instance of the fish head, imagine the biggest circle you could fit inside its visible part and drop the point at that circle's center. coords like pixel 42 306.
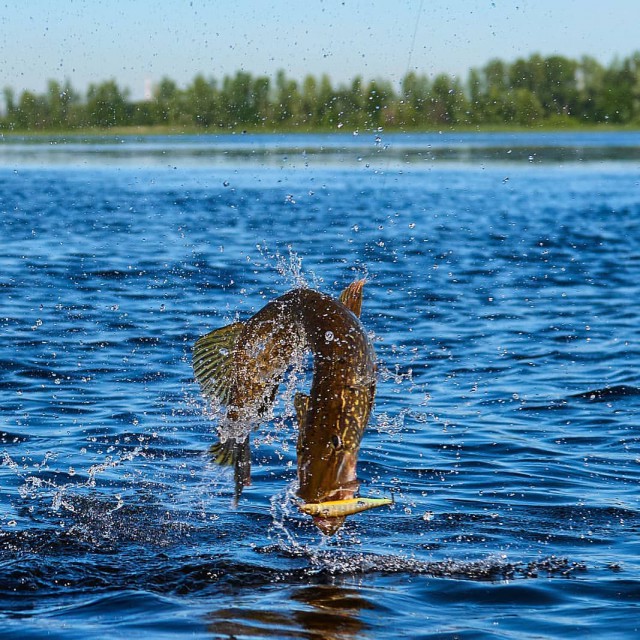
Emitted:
pixel 326 478
pixel 326 472
pixel 328 447
pixel 328 526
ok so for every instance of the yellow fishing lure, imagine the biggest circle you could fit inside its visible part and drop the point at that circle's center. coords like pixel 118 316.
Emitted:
pixel 342 508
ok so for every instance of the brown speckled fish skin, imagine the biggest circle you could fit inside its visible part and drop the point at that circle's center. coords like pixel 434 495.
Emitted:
pixel 333 417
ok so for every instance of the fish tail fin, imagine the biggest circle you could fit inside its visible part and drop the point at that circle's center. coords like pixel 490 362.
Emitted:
pixel 213 361
pixel 223 453
pixel 236 454
pixel 351 297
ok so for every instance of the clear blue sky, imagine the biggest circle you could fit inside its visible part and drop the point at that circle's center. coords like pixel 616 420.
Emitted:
pixel 143 40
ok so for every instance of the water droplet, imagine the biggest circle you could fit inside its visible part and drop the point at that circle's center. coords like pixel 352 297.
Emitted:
pixel 328 336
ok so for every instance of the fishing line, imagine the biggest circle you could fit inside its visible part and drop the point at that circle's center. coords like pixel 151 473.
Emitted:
pixel 415 33
pixel 408 68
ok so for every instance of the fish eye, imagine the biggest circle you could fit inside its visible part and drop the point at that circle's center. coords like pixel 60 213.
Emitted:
pixel 336 442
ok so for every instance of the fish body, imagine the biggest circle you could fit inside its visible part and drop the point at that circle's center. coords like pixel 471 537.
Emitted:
pixel 241 366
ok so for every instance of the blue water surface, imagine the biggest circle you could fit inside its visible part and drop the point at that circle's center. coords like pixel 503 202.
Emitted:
pixel 502 295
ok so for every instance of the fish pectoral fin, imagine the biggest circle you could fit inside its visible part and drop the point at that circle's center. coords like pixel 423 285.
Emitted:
pixel 213 361
pixel 351 297
pixel 301 405
pixel 236 454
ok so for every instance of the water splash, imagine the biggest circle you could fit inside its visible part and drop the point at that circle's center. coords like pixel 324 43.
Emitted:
pixel 295 535
pixel 288 266
pixel 283 512
pixel 56 486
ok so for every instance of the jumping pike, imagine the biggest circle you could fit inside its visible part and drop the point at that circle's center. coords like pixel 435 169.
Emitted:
pixel 242 364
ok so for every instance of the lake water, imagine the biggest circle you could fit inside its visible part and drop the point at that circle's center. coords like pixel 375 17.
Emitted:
pixel 502 292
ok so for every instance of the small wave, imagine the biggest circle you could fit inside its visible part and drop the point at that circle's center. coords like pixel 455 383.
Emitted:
pixel 170 573
pixel 113 274
pixel 337 562
pixel 606 394
pixel 7 437
pixel 96 525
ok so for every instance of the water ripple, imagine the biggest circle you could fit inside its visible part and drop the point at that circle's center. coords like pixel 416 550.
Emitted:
pixel 506 419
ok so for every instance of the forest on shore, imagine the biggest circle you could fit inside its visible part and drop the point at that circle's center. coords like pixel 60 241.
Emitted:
pixel 537 91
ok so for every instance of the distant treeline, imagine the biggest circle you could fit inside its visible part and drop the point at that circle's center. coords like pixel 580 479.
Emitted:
pixel 537 91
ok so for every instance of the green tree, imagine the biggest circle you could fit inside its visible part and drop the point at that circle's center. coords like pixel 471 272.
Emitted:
pixel 349 105
pixel 106 104
pixel 9 100
pixel 487 88
pixel 558 91
pixel 201 100
pixel 327 111
pixel 527 74
pixel 379 103
pixel 309 100
pixel 552 89
pixel 261 98
pixel 476 97
pixel 621 90
pixel 61 100
pixel 238 99
pixel 521 107
pixel 168 102
pixel 448 104
pixel 414 95
pixel 288 102
pixel 496 77
pixel 31 112
pixel 590 79
pixel 247 100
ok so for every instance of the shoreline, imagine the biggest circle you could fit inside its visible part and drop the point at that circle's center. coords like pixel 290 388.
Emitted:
pixel 138 131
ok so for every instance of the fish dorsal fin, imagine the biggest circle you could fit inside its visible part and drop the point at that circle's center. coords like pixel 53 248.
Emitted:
pixel 301 405
pixel 351 297
pixel 213 361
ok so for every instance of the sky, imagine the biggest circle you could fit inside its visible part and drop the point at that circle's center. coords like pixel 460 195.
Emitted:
pixel 139 42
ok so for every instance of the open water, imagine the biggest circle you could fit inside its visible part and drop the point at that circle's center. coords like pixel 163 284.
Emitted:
pixel 503 297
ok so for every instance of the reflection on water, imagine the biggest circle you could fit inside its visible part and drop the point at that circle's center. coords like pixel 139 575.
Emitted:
pixel 327 611
pixel 332 612
pixel 345 150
